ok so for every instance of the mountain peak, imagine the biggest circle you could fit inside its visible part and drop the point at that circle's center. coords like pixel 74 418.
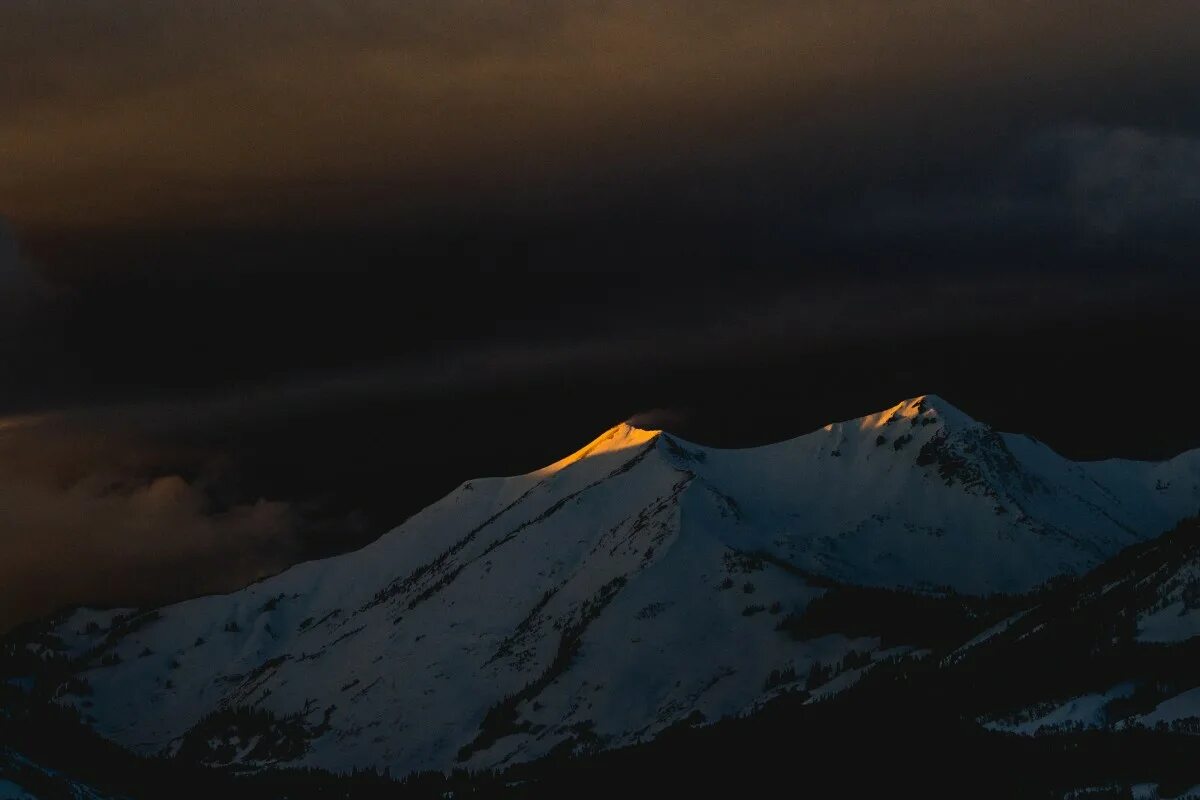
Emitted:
pixel 928 406
pixel 621 436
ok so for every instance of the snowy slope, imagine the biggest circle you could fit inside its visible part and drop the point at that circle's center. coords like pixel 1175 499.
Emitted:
pixel 1084 711
pixel 633 585
pixel 1175 615
pixel 23 779
pixel 1117 649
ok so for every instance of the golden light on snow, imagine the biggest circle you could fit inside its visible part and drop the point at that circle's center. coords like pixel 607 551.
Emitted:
pixel 906 410
pixel 614 440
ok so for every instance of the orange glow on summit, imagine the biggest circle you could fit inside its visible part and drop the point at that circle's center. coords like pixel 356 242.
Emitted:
pixel 617 438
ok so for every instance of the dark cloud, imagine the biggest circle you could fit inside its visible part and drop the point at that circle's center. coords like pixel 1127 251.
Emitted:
pixel 89 518
pixel 1129 181
pixel 160 113
pixel 21 288
pixel 28 318
pixel 1062 198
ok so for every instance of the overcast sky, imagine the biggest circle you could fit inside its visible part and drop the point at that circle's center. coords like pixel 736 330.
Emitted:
pixel 283 272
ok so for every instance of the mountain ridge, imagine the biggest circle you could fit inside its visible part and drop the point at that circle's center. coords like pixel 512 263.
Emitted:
pixel 637 583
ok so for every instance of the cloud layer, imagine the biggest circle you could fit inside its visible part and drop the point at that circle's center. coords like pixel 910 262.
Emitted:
pixel 87 517
pixel 124 113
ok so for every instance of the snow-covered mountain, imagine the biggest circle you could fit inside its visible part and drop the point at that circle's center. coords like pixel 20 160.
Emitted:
pixel 634 585
pixel 1123 643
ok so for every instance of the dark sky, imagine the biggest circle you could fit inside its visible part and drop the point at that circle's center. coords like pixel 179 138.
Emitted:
pixel 277 274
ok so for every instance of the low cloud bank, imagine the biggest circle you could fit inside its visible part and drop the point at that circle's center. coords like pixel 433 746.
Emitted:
pixel 81 524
